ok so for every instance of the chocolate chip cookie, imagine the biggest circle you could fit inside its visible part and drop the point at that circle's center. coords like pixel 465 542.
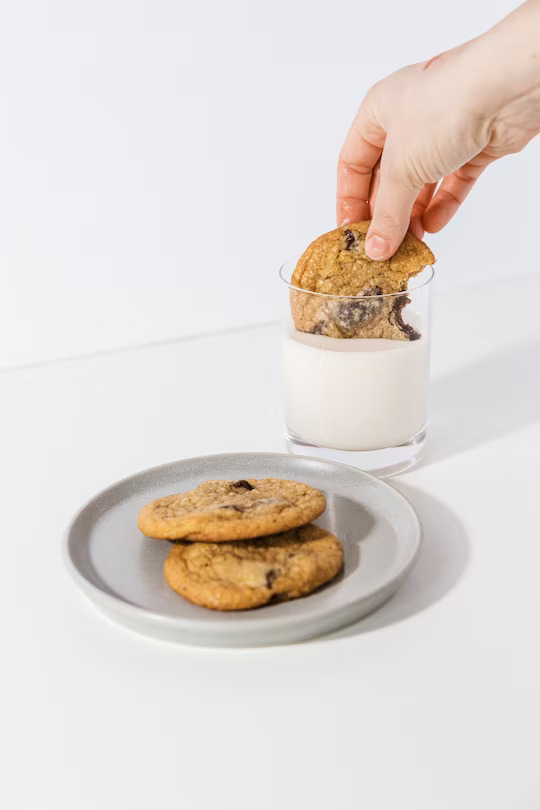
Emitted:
pixel 336 264
pixel 232 510
pixel 241 575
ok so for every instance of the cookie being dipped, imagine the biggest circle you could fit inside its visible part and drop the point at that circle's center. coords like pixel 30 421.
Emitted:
pixel 337 265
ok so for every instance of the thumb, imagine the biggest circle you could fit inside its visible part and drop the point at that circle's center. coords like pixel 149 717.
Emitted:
pixel 392 212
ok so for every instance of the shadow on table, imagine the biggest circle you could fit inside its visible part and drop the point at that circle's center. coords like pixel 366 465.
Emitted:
pixel 442 561
pixel 488 399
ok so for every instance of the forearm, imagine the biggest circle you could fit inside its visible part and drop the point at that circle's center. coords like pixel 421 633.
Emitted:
pixel 504 63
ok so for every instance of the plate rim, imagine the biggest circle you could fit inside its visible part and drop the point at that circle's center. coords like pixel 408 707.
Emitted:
pixel 163 620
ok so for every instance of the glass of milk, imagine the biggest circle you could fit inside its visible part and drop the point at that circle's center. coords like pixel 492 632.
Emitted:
pixel 360 401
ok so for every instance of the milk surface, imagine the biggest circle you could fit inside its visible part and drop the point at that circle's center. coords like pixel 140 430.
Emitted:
pixel 355 394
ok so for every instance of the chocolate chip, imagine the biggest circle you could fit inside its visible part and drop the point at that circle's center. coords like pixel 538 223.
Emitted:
pixel 271 577
pixel 350 240
pixel 373 291
pixel 241 485
pixel 319 328
pixel 396 317
pixel 350 313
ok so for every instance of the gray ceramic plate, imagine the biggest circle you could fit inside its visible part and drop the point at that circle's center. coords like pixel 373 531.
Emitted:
pixel 122 571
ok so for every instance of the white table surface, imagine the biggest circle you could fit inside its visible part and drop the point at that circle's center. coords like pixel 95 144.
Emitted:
pixel 430 704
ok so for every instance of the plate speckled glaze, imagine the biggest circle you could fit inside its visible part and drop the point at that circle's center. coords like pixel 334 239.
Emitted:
pixel 121 571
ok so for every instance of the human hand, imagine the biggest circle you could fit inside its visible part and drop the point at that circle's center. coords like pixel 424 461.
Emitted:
pixel 445 119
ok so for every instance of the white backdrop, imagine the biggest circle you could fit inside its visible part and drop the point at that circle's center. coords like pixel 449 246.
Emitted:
pixel 160 158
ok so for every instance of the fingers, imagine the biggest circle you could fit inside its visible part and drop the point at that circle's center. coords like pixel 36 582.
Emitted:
pixel 420 205
pixel 359 154
pixel 422 201
pixel 451 193
pixel 392 212
pixel 374 188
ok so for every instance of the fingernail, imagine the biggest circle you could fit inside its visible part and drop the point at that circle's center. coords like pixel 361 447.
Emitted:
pixel 376 246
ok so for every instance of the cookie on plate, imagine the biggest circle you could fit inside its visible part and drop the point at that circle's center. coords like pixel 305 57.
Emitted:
pixel 232 510
pixel 336 264
pixel 242 575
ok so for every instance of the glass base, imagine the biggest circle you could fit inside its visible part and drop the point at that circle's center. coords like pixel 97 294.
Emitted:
pixel 382 463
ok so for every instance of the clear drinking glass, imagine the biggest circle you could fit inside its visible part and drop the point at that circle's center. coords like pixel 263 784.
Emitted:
pixel 358 400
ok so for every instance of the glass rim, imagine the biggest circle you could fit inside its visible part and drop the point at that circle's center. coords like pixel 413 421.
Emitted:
pixel 424 283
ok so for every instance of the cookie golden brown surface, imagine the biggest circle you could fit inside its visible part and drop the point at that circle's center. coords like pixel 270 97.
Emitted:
pixel 337 265
pixel 232 510
pixel 242 575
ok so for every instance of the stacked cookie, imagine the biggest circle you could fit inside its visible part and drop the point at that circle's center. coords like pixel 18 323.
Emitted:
pixel 243 544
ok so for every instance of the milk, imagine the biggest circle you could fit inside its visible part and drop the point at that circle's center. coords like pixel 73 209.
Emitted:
pixel 354 394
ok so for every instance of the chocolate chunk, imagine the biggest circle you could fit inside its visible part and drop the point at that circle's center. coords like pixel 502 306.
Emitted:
pixel 241 485
pixel 373 291
pixel 271 577
pixel 354 241
pixel 396 317
pixel 319 328
pixel 350 313
pixel 350 240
